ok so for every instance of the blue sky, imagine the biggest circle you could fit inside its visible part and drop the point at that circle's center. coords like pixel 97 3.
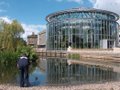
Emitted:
pixel 35 11
pixel 32 13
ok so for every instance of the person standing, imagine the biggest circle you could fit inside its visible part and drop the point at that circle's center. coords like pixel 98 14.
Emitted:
pixel 23 65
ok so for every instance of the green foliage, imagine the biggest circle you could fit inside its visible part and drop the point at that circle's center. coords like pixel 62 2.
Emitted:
pixel 11 43
pixel 29 51
pixel 74 56
pixel 8 57
pixel 10 35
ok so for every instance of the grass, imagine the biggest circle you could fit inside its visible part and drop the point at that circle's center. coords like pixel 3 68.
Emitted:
pixel 74 56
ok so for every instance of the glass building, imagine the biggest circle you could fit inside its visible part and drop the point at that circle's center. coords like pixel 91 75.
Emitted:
pixel 82 28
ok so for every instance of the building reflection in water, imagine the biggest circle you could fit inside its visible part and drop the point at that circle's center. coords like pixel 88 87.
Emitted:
pixel 55 71
pixel 60 72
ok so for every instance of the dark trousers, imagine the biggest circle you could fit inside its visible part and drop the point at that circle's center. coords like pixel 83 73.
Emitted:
pixel 24 76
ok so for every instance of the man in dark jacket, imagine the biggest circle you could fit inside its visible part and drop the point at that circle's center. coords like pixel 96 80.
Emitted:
pixel 23 64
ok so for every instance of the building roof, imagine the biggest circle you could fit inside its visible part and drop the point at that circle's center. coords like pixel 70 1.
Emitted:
pixel 42 32
pixel 32 36
pixel 81 10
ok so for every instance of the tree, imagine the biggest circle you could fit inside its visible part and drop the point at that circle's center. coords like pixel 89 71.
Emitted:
pixel 12 42
pixel 10 35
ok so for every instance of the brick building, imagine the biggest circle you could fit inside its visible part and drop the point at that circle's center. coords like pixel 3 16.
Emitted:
pixel 32 40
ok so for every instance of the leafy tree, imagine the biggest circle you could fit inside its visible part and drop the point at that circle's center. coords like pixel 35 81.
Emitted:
pixel 10 35
pixel 11 43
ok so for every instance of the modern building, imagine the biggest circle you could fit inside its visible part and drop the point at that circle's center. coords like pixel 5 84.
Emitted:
pixel 82 28
pixel 42 39
pixel 119 35
pixel 32 40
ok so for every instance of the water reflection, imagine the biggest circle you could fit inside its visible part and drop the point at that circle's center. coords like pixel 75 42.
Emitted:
pixel 37 77
pixel 60 72
pixel 54 71
pixel 7 73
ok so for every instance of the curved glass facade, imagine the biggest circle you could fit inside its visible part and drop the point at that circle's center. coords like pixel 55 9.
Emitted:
pixel 82 28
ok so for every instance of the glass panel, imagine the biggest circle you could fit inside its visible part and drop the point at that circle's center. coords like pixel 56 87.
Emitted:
pixel 81 30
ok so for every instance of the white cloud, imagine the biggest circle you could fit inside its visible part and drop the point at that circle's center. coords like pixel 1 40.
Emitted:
pixel 6 19
pixel 110 5
pixel 92 1
pixel 32 28
pixel 28 28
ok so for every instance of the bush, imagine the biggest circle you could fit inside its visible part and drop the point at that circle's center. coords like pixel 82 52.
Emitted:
pixel 8 56
pixel 29 51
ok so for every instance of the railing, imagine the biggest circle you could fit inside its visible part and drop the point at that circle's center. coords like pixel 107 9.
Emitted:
pixel 62 54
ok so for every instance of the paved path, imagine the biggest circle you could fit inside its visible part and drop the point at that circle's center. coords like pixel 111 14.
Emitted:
pixel 102 86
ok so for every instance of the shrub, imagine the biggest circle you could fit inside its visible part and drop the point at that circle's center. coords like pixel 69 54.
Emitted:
pixel 8 56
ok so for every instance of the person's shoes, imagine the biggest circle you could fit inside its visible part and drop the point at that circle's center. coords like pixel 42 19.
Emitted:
pixel 21 86
pixel 26 85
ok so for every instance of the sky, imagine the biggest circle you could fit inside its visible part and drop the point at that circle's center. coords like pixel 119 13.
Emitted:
pixel 32 13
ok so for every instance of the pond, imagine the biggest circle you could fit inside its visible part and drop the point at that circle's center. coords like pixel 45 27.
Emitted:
pixel 59 71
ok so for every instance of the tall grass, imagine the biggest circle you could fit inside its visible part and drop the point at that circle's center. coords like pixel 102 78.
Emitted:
pixel 8 56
